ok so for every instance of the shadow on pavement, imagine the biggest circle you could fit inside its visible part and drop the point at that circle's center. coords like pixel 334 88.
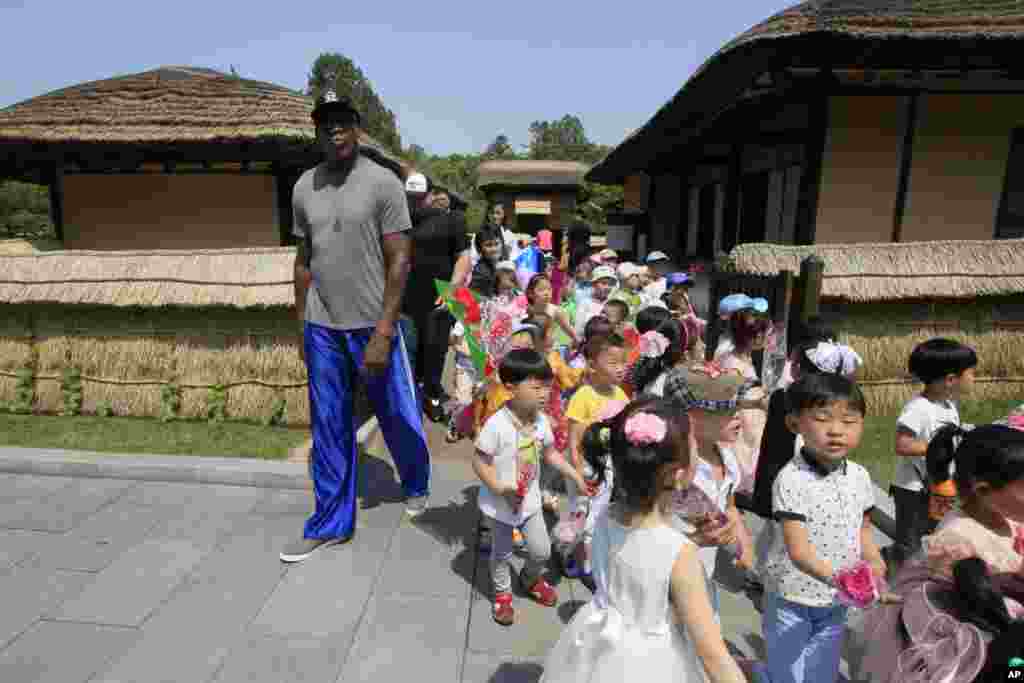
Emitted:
pixel 377 482
pixel 515 672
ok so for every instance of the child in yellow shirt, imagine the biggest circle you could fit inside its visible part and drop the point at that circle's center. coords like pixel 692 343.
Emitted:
pixel 606 361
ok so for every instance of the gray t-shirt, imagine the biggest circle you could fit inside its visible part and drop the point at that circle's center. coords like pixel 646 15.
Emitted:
pixel 346 224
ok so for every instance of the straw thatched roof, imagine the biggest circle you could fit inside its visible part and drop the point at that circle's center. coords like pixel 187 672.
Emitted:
pixel 531 173
pixel 960 269
pixel 243 278
pixel 859 33
pixel 171 104
pixel 184 113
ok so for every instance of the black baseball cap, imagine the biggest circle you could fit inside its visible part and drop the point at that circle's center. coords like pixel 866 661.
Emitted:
pixel 330 101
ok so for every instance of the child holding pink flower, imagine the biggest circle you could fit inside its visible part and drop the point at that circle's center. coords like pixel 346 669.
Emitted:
pixel 509 451
pixel 822 501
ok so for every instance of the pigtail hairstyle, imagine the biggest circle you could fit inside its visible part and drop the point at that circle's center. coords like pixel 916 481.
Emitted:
pixel 646 369
pixel 993 454
pixel 978 601
pixel 636 466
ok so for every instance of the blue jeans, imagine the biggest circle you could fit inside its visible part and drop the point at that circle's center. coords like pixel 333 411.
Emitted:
pixel 803 643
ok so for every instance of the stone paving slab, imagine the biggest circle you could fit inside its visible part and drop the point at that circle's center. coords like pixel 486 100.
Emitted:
pixel 62 509
pixel 205 523
pixel 393 645
pixel 18 546
pixel 56 652
pixel 326 594
pixel 295 659
pixel 189 636
pixel 127 591
pixel 21 486
pixel 31 591
pixel 100 539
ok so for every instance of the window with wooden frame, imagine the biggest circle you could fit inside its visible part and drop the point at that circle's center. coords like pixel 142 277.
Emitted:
pixel 1010 218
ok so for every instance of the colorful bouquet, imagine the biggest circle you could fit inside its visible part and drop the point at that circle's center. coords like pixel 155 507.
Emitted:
pixel 858 586
pixel 693 505
pixel 568 532
pixel 464 305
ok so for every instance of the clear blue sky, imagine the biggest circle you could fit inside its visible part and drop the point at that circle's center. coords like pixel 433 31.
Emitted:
pixel 455 73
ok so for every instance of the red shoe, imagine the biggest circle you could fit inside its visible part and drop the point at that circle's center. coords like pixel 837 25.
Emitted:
pixel 503 612
pixel 543 592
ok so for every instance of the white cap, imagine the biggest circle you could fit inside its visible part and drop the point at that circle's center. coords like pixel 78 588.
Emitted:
pixel 628 269
pixel 603 273
pixel 656 256
pixel 416 183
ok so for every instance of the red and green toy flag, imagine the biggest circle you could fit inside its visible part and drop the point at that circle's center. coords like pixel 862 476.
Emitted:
pixel 464 304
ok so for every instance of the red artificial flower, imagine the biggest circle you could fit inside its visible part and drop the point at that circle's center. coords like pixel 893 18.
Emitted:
pixel 473 312
pixel 488 368
pixel 631 336
pixel 465 297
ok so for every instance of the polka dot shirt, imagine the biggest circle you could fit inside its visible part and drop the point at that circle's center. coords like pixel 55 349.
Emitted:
pixel 831 504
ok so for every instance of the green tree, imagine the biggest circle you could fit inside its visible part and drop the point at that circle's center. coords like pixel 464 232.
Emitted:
pixel 332 69
pixel 500 148
pixel 24 210
pixel 566 140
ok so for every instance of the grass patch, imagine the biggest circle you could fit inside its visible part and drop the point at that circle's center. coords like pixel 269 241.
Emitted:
pixel 143 435
pixel 877 450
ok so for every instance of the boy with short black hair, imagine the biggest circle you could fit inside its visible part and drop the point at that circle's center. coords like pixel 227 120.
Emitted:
pixel 508 455
pixel 822 501
pixel 946 368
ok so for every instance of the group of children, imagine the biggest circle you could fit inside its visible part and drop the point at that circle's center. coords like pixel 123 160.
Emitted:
pixel 652 483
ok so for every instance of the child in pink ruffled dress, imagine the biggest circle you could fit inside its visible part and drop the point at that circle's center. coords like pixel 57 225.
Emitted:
pixel 962 592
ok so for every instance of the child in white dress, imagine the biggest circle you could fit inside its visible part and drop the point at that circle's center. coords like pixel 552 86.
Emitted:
pixel 650 617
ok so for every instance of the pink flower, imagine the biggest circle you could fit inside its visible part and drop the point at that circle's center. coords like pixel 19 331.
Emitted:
pixel 610 410
pixel 653 344
pixel 1016 421
pixel 858 586
pixel 1018 541
pixel 643 429
pixel 713 370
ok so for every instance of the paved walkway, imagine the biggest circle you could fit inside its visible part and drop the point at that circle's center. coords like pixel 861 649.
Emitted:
pixel 117 581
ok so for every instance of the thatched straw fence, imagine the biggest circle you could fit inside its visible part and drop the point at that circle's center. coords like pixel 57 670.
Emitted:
pixel 133 323
pixel 886 298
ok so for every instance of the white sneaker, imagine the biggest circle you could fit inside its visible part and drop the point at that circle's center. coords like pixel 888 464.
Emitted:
pixel 416 506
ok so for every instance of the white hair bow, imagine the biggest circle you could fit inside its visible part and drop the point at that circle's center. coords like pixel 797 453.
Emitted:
pixel 829 356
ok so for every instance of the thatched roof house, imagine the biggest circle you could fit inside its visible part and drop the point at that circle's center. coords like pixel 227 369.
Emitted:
pixel 537 194
pixel 530 174
pixel 839 122
pixel 172 158
pixel 950 270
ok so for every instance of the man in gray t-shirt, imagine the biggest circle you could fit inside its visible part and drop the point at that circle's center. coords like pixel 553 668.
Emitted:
pixel 352 222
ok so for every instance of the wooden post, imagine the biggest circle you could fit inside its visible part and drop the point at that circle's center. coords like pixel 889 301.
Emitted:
pixel 284 204
pixel 906 160
pixel 57 199
pixel 731 206
pixel 811 272
pixel 810 179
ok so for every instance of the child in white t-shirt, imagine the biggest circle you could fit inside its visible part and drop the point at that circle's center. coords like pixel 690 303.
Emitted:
pixel 508 454
pixel 946 368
